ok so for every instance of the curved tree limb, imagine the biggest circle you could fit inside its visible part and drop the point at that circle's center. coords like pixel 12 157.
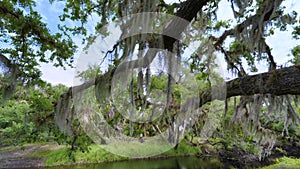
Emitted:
pixel 265 12
pixel 277 82
pixel 270 56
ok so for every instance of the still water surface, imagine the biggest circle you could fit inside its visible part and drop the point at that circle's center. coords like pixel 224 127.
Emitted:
pixel 169 163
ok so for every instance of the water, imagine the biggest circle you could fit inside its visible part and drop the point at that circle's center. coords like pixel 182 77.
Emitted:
pixel 169 163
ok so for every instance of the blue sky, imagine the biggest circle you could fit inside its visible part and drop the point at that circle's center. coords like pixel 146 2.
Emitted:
pixel 281 42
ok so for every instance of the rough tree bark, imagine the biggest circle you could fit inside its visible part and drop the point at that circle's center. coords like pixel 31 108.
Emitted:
pixel 277 82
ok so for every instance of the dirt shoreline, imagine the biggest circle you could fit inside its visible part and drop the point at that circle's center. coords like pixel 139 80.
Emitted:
pixel 23 157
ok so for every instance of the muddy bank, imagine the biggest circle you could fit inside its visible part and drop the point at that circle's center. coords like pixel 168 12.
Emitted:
pixel 241 159
pixel 24 157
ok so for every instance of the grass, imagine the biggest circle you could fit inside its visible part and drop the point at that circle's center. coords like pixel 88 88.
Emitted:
pixel 58 157
pixel 285 163
pixel 95 155
pixel 40 153
pixel 7 149
pixel 98 154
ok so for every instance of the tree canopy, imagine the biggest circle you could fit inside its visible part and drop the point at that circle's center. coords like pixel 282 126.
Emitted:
pixel 26 42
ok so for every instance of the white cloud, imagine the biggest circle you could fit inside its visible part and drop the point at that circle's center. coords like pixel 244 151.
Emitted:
pixel 56 76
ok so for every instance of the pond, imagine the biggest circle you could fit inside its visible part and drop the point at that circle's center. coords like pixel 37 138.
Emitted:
pixel 169 163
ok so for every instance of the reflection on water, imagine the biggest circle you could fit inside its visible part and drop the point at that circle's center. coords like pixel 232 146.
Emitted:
pixel 170 163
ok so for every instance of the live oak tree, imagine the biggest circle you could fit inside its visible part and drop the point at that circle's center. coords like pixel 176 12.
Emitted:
pixel 255 99
pixel 261 98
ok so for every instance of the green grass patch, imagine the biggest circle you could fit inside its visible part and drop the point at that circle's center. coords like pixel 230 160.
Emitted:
pixel 7 149
pixel 285 163
pixel 95 155
pixel 58 157
pixel 43 153
pixel 98 154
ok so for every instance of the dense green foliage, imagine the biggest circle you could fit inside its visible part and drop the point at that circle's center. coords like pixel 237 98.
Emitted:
pixel 29 115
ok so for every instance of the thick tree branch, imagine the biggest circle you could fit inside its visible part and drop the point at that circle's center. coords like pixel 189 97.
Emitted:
pixel 285 81
pixel 188 11
pixel 4 10
pixel 277 82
